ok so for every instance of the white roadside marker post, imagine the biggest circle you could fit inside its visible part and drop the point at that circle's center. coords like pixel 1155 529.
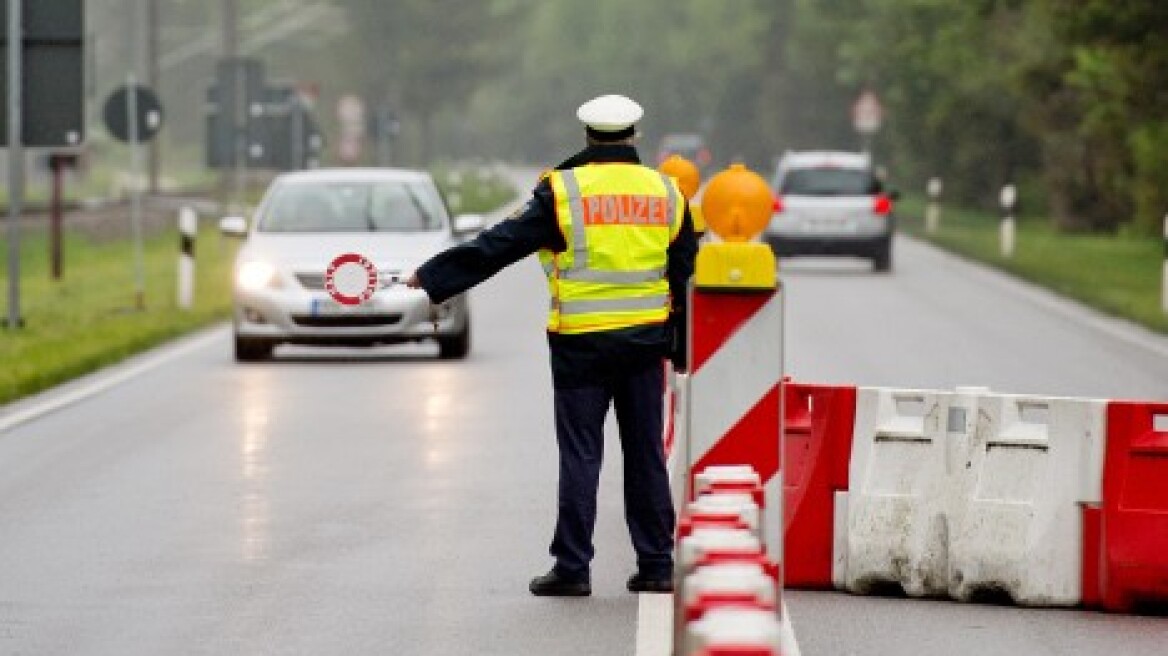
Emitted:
pixel 1164 275
pixel 933 208
pixel 1008 197
pixel 188 228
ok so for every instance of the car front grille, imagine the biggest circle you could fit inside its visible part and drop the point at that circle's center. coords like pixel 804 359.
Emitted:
pixel 346 320
pixel 315 281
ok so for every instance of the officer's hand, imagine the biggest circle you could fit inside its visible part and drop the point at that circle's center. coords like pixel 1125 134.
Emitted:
pixel 413 282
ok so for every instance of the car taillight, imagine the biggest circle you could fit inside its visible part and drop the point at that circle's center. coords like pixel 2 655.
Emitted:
pixel 777 208
pixel 882 205
pixel 704 157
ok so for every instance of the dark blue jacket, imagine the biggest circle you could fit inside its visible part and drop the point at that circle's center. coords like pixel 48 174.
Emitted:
pixel 577 359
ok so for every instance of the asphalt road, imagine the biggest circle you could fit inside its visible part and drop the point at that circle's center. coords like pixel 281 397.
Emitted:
pixel 378 502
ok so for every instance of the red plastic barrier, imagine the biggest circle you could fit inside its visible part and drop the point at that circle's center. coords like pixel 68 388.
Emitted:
pixel 1131 542
pixel 818 424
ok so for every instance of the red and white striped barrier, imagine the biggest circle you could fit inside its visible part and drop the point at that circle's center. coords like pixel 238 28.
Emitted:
pixel 729 531
pixel 728 574
pixel 736 369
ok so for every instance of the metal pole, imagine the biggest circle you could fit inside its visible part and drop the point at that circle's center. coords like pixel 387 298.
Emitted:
pixel 15 160
pixel 57 168
pixel 153 153
pixel 136 172
pixel 135 193
pixel 229 113
pixel 297 145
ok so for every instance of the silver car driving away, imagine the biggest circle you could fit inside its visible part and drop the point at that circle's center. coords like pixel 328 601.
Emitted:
pixel 395 219
pixel 831 203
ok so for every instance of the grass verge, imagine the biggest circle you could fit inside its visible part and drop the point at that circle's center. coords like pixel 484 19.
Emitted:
pixel 87 319
pixel 1117 274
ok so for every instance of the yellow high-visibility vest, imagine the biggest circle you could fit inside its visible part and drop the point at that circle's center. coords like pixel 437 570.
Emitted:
pixel 618 221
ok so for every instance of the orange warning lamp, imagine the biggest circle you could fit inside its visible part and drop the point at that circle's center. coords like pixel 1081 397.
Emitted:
pixel 687 175
pixel 737 204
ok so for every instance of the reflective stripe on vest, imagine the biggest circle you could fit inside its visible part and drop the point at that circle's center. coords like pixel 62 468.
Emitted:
pixel 633 303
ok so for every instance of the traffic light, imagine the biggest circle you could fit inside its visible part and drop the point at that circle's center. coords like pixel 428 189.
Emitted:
pixel 281 132
pixel 238 82
pixel 269 127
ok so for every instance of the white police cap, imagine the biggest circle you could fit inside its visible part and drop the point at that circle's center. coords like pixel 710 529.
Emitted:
pixel 611 113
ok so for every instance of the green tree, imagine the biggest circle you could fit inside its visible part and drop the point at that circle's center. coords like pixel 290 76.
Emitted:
pixel 1119 73
pixel 420 56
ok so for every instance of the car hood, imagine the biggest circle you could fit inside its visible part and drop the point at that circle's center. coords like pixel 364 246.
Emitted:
pixel 312 252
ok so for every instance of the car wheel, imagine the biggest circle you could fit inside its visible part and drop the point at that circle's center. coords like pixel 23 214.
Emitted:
pixel 456 346
pixel 882 261
pixel 252 350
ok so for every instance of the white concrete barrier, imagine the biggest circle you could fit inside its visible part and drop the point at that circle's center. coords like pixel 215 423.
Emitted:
pixel 1017 527
pixel 969 493
pixel 896 530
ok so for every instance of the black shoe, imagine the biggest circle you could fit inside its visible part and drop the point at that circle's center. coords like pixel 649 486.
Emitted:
pixel 640 583
pixel 555 585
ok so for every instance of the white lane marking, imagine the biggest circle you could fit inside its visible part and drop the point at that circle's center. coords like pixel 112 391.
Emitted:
pixel 1122 329
pixel 654 624
pixel 104 381
pixel 787 642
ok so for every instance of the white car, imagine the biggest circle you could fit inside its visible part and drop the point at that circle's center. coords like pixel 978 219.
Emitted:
pixel 394 219
pixel 831 203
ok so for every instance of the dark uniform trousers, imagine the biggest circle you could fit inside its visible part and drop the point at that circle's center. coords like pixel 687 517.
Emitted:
pixel 580 414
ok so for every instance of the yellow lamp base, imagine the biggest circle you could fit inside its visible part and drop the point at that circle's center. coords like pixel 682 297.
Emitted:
pixel 735 266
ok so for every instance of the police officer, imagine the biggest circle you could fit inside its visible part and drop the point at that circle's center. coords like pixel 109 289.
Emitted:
pixel 617 245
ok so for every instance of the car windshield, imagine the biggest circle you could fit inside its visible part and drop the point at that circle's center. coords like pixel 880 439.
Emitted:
pixel 347 206
pixel 829 182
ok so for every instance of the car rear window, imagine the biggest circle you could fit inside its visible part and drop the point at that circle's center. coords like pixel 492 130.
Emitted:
pixel 363 206
pixel 829 182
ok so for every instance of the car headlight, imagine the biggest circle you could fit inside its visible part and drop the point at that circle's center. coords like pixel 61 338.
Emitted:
pixel 255 275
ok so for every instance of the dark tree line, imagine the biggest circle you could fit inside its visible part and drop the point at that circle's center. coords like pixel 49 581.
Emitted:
pixel 1066 98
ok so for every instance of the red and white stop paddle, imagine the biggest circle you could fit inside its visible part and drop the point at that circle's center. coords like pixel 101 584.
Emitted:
pixel 351 279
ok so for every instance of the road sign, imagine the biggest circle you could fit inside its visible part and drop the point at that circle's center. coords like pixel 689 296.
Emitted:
pixel 867 113
pixel 148 110
pixel 52 67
